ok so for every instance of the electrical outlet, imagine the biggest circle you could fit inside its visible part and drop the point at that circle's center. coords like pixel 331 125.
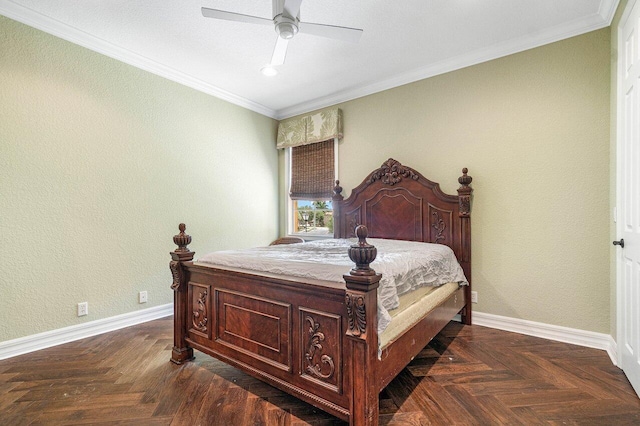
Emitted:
pixel 474 297
pixel 83 309
pixel 143 297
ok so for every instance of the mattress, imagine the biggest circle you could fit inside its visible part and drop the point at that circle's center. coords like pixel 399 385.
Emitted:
pixel 412 308
pixel 405 266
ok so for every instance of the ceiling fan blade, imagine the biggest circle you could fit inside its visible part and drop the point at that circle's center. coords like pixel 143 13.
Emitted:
pixel 230 16
pixel 331 31
pixel 279 52
pixel 292 7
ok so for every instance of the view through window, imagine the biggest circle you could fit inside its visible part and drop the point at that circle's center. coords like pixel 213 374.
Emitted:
pixel 312 217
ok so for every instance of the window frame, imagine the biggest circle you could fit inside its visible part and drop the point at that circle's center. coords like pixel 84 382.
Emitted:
pixel 289 202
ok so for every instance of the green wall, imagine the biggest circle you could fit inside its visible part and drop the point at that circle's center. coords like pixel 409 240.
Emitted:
pixel 533 129
pixel 99 162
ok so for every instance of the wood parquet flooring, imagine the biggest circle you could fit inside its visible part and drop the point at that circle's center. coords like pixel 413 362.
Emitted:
pixel 468 375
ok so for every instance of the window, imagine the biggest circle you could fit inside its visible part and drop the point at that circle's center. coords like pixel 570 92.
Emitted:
pixel 312 217
pixel 311 177
pixel 310 144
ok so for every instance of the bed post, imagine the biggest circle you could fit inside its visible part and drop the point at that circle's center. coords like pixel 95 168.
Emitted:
pixel 336 199
pixel 361 301
pixel 181 352
pixel 464 201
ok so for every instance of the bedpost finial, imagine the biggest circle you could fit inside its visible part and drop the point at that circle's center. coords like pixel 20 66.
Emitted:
pixel 362 233
pixel 337 191
pixel 362 253
pixel 464 194
pixel 465 179
pixel 182 240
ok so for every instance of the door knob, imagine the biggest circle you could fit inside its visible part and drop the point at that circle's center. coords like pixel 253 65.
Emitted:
pixel 619 243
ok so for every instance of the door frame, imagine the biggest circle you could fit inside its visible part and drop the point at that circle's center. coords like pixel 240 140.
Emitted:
pixel 619 151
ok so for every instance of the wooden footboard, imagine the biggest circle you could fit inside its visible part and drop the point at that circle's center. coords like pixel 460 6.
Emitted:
pixel 314 339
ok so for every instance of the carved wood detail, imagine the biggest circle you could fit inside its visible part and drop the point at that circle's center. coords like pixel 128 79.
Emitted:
pixel 392 172
pixel 356 314
pixel 200 318
pixel 362 253
pixel 181 352
pixel 465 205
pixel 464 194
pixel 320 348
pixel 176 273
pixel 198 315
pixel 337 192
pixel 182 240
pixel 352 219
pixel 439 225
pixel 314 344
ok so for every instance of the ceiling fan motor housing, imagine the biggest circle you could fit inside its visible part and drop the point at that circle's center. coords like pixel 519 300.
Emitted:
pixel 286 27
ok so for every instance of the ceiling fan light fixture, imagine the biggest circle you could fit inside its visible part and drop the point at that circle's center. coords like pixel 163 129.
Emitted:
pixel 286 27
pixel 269 71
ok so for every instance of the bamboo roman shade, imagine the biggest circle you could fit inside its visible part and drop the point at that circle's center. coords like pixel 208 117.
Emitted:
pixel 312 171
pixel 309 129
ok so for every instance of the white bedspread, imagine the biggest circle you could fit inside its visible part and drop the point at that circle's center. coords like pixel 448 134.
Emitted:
pixel 404 265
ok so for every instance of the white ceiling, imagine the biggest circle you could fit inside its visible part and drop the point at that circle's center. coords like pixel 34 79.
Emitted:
pixel 403 41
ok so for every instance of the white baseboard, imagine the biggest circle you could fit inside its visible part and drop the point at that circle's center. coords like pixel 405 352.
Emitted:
pixel 35 342
pixel 23 345
pixel 558 333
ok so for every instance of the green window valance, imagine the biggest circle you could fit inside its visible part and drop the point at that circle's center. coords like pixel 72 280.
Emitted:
pixel 310 129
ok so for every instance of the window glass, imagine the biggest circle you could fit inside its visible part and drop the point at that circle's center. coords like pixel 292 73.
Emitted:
pixel 312 217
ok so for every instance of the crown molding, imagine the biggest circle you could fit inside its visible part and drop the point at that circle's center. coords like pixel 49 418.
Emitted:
pixel 593 22
pixel 64 31
pixel 608 10
pixel 27 16
pixel 36 342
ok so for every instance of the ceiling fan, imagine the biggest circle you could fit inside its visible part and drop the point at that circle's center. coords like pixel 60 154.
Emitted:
pixel 286 19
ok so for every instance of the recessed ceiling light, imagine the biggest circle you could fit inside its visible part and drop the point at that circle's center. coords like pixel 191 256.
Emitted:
pixel 269 71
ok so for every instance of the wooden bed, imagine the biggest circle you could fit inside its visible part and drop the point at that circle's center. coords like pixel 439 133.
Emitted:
pixel 317 340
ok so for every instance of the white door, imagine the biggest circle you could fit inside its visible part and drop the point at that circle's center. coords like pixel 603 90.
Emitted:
pixel 628 194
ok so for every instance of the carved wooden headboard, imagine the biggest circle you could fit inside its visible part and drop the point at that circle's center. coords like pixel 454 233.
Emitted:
pixel 397 202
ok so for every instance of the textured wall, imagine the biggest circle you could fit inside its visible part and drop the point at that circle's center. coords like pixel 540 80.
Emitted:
pixel 533 129
pixel 99 162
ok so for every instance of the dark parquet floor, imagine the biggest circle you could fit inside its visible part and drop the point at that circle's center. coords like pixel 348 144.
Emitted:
pixel 468 375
